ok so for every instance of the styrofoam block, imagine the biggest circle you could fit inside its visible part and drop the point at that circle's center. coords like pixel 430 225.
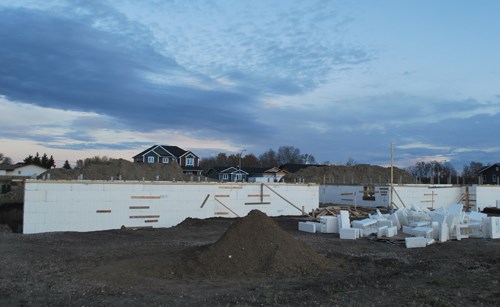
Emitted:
pixel 435 230
pixel 423 231
pixel 330 224
pixel 344 222
pixel 382 232
pixel 476 216
pixel 382 223
pixel 402 216
pixel 487 228
pixel 419 224
pixel 415 242
pixel 363 223
pixel 430 241
pixel 455 209
pixel 368 231
pixel 495 227
pixel 443 232
pixel 392 231
pixel 408 230
pixel 349 233
pixel 307 227
pixel 395 220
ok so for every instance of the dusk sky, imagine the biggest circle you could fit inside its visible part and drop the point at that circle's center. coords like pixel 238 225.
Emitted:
pixel 336 79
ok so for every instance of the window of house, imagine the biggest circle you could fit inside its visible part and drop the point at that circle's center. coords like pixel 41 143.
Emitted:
pixel 151 159
pixel 189 161
pixel 19 172
pixel 165 159
pixel 494 178
pixel 225 176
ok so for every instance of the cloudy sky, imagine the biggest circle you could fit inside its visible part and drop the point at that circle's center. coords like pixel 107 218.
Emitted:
pixel 336 79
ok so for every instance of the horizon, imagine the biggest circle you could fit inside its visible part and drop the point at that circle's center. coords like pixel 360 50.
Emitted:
pixel 335 79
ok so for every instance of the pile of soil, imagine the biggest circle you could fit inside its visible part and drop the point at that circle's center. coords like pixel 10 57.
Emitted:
pixel 355 174
pixel 253 246
pixel 119 169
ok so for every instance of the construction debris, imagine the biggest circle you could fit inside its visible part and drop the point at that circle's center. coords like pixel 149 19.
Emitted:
pixel 420 226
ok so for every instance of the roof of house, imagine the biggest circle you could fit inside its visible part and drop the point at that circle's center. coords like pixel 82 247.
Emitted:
pixel 165 150
pixel 248 170
pixel 11 167
pixel 485 168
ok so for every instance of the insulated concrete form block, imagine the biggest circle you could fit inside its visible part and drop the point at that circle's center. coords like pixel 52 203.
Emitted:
pixel 443 232
pixel 330 224
pixel 382 232
pixel 363 223
pixel 495 227
pixel 307 227
pixel 344 222
pixel 349 233
pixel 415 242
pixel 392 231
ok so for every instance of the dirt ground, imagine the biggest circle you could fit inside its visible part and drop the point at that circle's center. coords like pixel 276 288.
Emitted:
pixel 137 267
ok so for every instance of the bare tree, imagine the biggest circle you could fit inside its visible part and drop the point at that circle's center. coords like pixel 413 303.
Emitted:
pixel 268 158
pixel 289 154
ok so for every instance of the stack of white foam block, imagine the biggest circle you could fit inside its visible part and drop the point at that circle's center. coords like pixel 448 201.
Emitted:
pixel 425 227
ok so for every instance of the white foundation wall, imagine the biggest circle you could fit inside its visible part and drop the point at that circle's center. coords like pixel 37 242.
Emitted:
pixel 101 205
pixel 485 195
pixel 432 196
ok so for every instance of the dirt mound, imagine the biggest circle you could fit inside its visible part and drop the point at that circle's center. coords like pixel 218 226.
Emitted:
pixel 254 245
pixel 119 169
pixel 354 174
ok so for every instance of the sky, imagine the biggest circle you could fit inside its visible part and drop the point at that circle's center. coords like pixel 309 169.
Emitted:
pixel 337 79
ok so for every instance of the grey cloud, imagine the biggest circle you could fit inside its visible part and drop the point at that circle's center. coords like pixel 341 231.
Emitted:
pixel 65 63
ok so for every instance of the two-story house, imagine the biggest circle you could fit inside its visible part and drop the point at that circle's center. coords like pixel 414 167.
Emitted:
pixel 187 160
pixel 489 174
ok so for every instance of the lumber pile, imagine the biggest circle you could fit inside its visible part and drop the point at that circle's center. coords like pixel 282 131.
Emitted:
pixel 355 213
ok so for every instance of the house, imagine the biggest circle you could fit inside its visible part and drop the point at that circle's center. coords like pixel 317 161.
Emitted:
pixel 489 174
pixel 227 174
pixel 250 174
pixel 164 154
pixel 21 170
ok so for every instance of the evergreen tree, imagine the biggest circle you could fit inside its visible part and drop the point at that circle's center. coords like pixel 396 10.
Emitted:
pixel 44 161
pixel 28 159
pixel 51 163
pixel 66 165
pixel 36 159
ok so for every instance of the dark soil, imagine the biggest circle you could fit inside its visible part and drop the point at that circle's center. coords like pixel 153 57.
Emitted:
pixel 137 267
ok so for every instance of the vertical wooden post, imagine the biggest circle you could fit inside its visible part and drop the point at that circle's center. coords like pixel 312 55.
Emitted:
pixel 392 176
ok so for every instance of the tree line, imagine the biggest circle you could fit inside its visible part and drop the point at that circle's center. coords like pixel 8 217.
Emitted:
pixel 270 158
pixel 442 172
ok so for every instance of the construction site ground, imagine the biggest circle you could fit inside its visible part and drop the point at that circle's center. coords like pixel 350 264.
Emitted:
pixel 136 267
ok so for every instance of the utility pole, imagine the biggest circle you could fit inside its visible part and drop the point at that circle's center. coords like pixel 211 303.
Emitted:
pixel 392 178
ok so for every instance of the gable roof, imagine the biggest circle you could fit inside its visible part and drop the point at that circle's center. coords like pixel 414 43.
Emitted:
pixel 11 167
pixel 485 168
pixel 165 150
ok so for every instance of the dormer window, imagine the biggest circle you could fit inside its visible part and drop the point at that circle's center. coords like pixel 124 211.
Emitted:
pixel 165 160
pixel 190 161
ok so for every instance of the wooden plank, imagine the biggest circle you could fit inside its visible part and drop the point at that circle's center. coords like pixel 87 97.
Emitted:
pixel 222 195
pixel 258 195
pixel 206 198
pixel 346 193
pixel 150 221
pixel 347 199
pixel 259 203
pixel 231 187
pixel 138 207
pixel 221 213
pixel 103 211
pixel 144 216
pixel 145 197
